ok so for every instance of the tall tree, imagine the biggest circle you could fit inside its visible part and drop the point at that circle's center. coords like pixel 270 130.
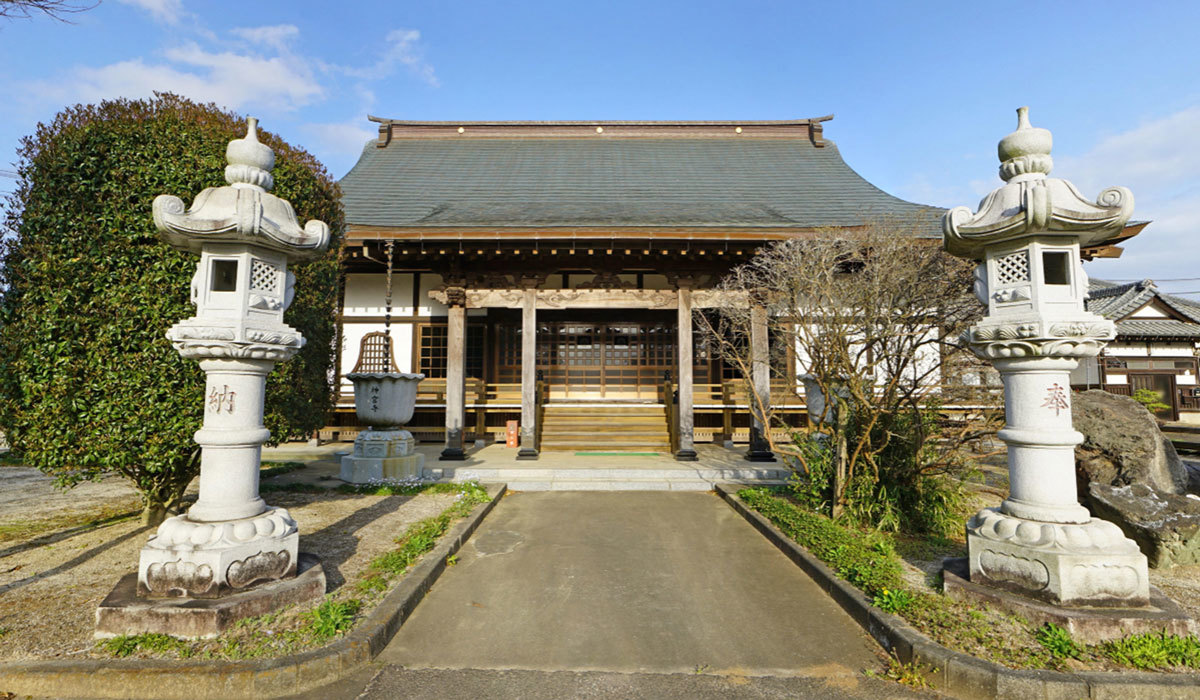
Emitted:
pixel 89 385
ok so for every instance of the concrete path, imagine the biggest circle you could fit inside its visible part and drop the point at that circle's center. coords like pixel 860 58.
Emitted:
pixel 658 583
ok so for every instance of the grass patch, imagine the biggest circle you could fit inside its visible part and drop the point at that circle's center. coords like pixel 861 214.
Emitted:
pixel 1151 652
pixel 869 561
pixel 1057 641
pixel 270 469
pixel 866 559
pixel 292 488
pixel 421 537
pixel 76 523
pixel 158 644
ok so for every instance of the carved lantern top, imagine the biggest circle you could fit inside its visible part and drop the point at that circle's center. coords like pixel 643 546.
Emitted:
pixel 243 212
pixel 1031 204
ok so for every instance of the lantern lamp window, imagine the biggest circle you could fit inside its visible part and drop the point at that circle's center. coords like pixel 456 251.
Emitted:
pixel 1056 267
pixel 224 275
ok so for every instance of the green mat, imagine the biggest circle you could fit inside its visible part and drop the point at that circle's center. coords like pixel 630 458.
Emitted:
pixel 616 454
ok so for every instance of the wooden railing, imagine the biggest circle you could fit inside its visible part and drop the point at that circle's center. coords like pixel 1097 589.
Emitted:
pixel 541 393
pixel 728 398
pixel 667 397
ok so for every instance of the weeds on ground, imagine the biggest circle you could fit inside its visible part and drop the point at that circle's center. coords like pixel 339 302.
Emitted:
pixel 909 674
pixel 1154 651
pixel 126 644
pixel 1057 641
pixel 270 469
pixel 894 600
pixel 863 558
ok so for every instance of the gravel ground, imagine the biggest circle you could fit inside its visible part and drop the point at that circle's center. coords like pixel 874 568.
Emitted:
pixel 49 593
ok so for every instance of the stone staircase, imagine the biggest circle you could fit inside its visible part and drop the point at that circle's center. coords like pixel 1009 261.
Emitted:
pixel 631 427
pixel 623 475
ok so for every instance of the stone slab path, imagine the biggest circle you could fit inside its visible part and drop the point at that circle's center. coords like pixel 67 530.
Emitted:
pixel 649 583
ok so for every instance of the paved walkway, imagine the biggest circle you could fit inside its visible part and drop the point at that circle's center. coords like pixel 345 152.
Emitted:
pixel 649 583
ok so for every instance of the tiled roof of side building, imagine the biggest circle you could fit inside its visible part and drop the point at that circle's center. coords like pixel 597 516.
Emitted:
pixel 700 182
pixel 1116 301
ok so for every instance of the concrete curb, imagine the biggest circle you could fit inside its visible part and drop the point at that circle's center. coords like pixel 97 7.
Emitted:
pixel 954 673
pixel 278 677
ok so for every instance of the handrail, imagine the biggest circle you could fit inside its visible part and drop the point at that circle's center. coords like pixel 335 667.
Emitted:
pixel 539 394
pixel 666 396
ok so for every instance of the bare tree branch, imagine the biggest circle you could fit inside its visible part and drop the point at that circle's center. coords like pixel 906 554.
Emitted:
pixel 57 9
pixel 874 315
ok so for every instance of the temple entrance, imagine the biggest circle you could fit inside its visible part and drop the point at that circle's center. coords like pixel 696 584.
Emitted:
pixel 598 359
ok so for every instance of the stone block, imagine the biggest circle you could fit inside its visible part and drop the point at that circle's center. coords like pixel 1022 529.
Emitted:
pixel 1090 563
pixel 362 470
pixel 1086 624
pixel 123 611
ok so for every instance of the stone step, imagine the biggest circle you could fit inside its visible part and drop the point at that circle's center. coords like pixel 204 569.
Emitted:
pixel 623 485
pixel 638 448
pixel 604 474
pixel 603 411
pixel 570 431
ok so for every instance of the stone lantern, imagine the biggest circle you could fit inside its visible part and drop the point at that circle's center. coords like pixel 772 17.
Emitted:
pixel 245 236
pixel 1027 236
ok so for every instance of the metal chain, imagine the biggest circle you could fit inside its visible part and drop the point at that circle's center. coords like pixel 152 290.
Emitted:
pixel 389 247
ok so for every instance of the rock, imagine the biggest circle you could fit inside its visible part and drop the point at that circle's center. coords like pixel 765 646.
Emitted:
pixel 1193 474
pixel 1166 526
pixel 1123 445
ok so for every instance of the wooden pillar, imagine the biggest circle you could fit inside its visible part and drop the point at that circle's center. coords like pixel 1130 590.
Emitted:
pixel 456 298
pixel 687 451
pixel 760 368
pixel 528 370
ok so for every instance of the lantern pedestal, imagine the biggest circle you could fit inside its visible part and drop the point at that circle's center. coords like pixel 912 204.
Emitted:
pixel 383 454
pixel 385 401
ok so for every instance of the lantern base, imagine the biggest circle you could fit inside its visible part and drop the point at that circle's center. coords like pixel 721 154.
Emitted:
pixel 382 454
pixel 123 611
pixel 1086 624
pixel 1090 563
pixel 188 558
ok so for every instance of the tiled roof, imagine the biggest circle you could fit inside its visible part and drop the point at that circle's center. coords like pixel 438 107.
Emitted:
pixel 1158 328
pixel 1116 301
pixel 642 182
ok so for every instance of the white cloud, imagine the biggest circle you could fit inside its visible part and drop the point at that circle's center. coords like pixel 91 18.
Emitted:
pixel 278 37
pixel 340 137
pixel 1160 162
pixel 405 49
pixel 234 81
pixel 165 11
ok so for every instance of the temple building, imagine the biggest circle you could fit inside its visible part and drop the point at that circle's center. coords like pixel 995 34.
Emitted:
pixel 540 270
pixel 1157 343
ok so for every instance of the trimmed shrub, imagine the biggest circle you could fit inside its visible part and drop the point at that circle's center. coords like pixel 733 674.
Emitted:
pixel 89 385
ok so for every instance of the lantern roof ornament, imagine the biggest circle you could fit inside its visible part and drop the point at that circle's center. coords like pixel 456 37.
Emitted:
pixel 242 211
pixel 1032 204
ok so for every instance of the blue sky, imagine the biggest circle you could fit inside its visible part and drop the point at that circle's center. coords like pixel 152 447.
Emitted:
pixel 921 90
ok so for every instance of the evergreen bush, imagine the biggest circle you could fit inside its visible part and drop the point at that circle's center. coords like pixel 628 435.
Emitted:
pixel 89 385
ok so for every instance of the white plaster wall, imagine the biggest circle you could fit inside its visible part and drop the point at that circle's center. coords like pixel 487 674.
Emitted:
pixel 365 294
pixel 1149 311
pixel 654 282
pixel 1156 350
pixel 1087 373
pixel 352 335
pixel 425 305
